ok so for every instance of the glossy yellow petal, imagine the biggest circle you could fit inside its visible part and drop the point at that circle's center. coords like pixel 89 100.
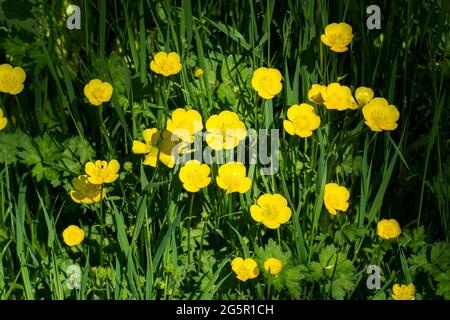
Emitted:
pixel 256 213
pixel 140 147
pixel 151 159
pixel 3 123
pixel 245 185
pixel 271 223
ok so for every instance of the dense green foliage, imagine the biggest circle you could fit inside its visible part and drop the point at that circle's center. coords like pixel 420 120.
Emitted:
pixel 150 239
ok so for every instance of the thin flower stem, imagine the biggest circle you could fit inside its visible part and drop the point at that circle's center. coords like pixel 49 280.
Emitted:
pixel 201 241
pixel 104 130
pixel 102 233
pixel 191 206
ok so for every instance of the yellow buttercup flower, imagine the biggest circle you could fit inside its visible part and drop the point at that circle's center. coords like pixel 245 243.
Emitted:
pixel 166 64
pixel 335 198
pixel 245 269
pixel 149 148
pixel 102 171
pixel 225 130
pixel 198 73
pixel 98 92
pixel 337 97
pixel 303 120
pixel 404 292
pixel 267 82
pixel 388 229
pixel 155 148
pixel 195 175
pixel 273 266
pixel 3 120
pixel 314 94
pixel 11 79
pixel 185 124
pixel 337 36
pixel 233 178
pixel 379 115
pixel 363 95
pixel 73 235
pixel 271 210
pixel 85 192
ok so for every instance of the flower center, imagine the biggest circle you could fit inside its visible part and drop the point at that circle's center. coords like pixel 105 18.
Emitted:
pixel 388 230
pixel 302 122
pixel 337 38
pixel 6 80
pixel 264 81
pixel 333 200
pixel 97 92
pixel 232 181
pixel 270 211
pixel 379 118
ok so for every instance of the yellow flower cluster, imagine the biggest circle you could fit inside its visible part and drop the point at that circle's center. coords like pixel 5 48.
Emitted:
pixel 302 120
pixel 73 235
pixel 337 36
pixel 98 92
pixel 403 291
pixel 225 131
pixel 363 95
pixel 245 269
pixel 166 64
pixel 271 210
pixel 388 229
pixel 233 178
pixel 380 115
pixel 11 79
pixel 195 175
pixel 273 266
pixel 102 171
pixel 185 124
pixel 155 148
pixel 333 97
pixel 85 192
pixel 336 198
pixel 267 82
pixel 377 112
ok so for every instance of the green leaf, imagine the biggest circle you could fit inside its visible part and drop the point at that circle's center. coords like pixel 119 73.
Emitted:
pixel 443 286
pixel 327 257
pixel 292 277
